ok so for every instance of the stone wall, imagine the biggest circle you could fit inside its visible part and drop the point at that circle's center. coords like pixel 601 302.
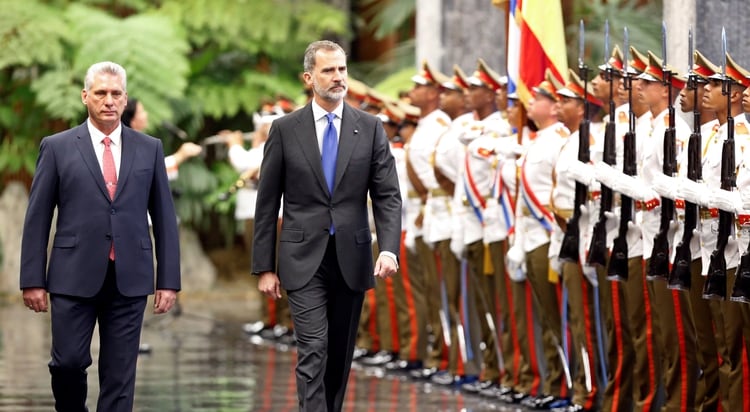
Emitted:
pixel 459 32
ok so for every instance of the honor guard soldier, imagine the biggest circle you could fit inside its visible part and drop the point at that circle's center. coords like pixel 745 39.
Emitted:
pixel 534 225
pixel 581 289
pixel 421 177
pixel 473 190
pixel 712 200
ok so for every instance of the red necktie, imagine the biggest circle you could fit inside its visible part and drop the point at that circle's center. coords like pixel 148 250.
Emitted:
pixel 110 179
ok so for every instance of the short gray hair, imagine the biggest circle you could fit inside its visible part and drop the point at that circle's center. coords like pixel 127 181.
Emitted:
pixel 105 67
pixel 312 49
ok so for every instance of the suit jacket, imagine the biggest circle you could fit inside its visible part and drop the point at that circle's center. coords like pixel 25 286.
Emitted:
pixel 68 177
pixel 292 167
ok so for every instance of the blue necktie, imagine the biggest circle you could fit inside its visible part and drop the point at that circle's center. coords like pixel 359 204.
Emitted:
pixel 329 154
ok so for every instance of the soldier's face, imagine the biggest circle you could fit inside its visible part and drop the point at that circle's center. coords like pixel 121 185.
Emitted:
pixel 686 99
pixel 746 100
pixel 452 101
pixel 649 92
pixel 712 97
pixel 569 110
pixel 600 87
pixel 501 98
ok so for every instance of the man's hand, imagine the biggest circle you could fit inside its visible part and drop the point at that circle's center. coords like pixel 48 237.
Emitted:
pixel 385 266
pixel 164 300
pixel 269 285
pixel 35 299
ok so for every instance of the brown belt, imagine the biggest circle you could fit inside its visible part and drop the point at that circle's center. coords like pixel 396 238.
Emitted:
pixel 439 192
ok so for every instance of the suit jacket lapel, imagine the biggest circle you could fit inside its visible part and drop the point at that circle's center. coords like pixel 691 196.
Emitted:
pixel 348 139
pixel 309 143
pixel 86 148
pixel 127 140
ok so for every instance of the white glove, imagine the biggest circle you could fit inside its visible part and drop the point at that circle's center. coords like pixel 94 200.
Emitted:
pixel 693 192
pixel 634 233
pixel 665 186
pixel 515 261
pixel 725 200
pixel 556 265
pixel 582 172
pixel 410 241
pixel 518 275
pixel 632 187
pixel 613 221
pixel 590 273
pixel 470 133
pixel 745 197
pixel 508 148
pixel 605 174
pixel 674 225
pixel 457 246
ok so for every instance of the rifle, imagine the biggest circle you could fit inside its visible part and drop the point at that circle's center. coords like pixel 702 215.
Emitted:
pixel 658 268
pixel 716 283
pixel 598 252
pixel 571 240
pixel 617 269
pixel 680 277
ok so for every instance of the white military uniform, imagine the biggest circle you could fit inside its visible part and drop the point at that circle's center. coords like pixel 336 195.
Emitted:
pixel 476 182
pixel 419 154
pixel 651 163
pixel 536 170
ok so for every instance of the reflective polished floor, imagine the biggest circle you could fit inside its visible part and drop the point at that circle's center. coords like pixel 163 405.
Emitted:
pixel 201 360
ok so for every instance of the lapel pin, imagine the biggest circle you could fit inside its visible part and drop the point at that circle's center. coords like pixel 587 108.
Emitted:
pixel 356 131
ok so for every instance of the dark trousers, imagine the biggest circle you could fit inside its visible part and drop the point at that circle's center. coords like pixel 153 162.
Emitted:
pixel 73 320
pixel 325 313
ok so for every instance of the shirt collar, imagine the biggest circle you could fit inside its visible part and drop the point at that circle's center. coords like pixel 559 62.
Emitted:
pixel 97 136
pixel 319 112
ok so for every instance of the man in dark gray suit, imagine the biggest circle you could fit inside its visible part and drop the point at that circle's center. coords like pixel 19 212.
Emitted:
pixel 325 159
pixel 104 179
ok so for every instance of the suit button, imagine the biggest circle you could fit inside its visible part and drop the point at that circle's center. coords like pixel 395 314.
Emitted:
pixel 112 211
pixel 108 236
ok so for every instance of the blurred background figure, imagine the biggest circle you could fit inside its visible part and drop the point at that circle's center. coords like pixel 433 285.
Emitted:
pixel 135 116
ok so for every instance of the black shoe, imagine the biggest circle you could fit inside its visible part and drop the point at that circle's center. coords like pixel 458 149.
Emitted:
pixel 494 391
pixel 280 330
pixel 424 373
pixel 400 365
pixel 377 359
pixel 360 352
pixel 575 408
pixel 478 386
pixel 254 328
pixel 267 333
pixel 545 402
pixel 287 339
pixel 144 349
pixel 513 397
pixel 443 378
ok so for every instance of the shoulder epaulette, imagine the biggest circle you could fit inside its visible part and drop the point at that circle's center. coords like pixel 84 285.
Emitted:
pixel 741 128
pixel 562 132
pixel 622 117
pixel 442 122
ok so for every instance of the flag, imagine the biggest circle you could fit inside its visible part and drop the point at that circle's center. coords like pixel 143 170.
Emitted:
pixel 540 44
pixel 514 45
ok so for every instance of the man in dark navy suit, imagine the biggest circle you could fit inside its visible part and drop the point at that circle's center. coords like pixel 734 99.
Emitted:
pixel 103 179
pixel 325 159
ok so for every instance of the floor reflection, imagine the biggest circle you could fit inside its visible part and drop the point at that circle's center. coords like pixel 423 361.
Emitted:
pixel 201 361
